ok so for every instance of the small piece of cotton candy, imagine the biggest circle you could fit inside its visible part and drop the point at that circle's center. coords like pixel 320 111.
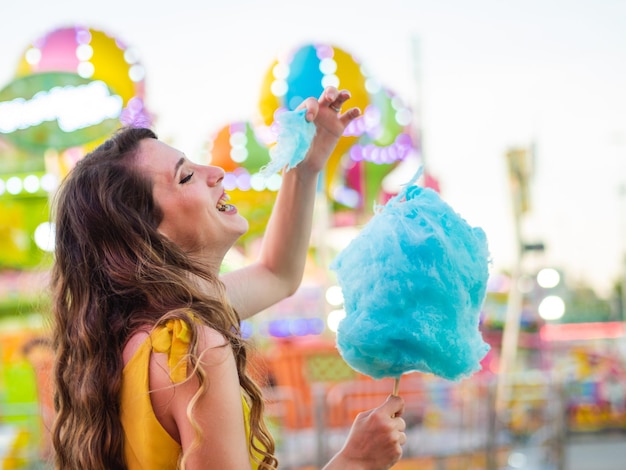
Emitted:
pixel 413 282
pixel 294 138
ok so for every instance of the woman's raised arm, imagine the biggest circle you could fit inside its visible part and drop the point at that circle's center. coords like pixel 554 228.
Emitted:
pixel 278 271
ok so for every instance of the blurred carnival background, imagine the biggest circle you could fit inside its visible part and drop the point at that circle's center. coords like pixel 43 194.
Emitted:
pixel 517 113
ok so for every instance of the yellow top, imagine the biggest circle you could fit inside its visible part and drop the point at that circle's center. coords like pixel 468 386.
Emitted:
pixel 147 445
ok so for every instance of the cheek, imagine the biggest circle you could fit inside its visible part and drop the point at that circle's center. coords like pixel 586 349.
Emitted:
pixel 182 210
pixel 190 223
pixel 176 222
pixel 187 235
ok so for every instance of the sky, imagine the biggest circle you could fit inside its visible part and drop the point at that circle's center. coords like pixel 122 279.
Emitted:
pixel 486 75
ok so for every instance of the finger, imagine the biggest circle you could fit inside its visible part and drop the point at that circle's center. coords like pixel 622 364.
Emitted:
pixel 399 451
pixel 350 115
pixel 312 108
pixel 400 424
pixel 329 95
pixel 394 406
pixel 337 103
pixel 342 97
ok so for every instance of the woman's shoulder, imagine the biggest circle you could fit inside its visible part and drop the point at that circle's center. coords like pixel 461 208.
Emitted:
pixel 135 340
pixel 178 339
pixel 209 337
pixel 170 343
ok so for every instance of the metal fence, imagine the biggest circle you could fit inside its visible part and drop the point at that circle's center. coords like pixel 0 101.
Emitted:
pixel 449 425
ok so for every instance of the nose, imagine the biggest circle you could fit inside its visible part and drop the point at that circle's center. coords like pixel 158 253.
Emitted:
pixel 215 175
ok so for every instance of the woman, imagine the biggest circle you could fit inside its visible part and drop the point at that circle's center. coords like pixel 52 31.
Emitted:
pixel 150 367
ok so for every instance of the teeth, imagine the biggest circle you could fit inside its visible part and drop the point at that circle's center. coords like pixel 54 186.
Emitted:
pixel 225 208
pixel 221 204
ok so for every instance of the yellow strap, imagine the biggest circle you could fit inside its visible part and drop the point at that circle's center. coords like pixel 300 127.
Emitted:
pixel 173 339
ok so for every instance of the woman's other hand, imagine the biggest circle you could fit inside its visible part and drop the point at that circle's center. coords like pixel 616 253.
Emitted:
pixel 375 440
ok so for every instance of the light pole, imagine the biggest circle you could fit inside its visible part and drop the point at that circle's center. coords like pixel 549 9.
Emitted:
pixel 519 174
pixel 622 285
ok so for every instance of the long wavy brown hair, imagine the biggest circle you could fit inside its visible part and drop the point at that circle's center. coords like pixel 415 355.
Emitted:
pixel 113 274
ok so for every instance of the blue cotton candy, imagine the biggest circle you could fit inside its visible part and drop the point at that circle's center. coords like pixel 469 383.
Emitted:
pixel 292 143
pixel 413 282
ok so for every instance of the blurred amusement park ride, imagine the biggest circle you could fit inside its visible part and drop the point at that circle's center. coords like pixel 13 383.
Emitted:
pixel 100 83
pixel 313 394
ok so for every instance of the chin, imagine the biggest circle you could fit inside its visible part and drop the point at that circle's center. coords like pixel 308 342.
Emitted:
pixel 245 226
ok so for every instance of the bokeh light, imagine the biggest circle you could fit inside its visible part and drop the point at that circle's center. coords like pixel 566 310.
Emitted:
pixel 333 319
pixel 552 307
pixel 548 278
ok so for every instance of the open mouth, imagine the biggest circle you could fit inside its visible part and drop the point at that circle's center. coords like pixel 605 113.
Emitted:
pixel 222 205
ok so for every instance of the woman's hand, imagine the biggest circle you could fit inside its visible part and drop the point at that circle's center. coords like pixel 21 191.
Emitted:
pixel 375 440
pixel 330 122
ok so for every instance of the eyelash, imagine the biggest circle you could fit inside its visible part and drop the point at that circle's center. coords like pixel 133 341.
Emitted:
pixel 186 178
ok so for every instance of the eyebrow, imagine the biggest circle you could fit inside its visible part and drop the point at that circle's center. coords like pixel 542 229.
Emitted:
pixel 178 165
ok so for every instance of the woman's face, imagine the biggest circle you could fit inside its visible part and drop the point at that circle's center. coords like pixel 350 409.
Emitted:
pixel 196 215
